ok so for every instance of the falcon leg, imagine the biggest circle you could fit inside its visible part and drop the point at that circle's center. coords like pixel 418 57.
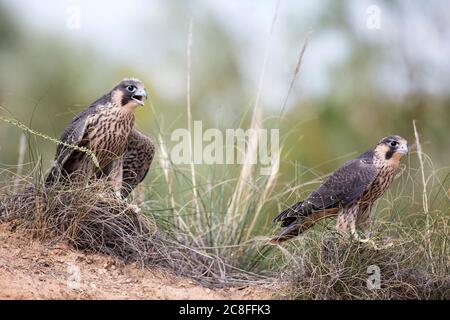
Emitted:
pixel 363 220
pixel 346 220
pixel 356 236
pixel 116 176
pixel 363 224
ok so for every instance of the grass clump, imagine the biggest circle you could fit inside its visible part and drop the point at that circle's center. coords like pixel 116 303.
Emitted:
pixel 327 266
pixel 88 217
pixel 91 218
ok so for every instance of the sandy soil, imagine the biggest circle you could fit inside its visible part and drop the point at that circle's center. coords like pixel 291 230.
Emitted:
pixel 30 269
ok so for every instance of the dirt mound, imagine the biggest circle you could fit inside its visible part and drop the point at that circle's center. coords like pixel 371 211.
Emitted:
pixel 30 269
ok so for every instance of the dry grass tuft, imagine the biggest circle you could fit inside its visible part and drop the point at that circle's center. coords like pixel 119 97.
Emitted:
pixel 90 218
pixel 324 265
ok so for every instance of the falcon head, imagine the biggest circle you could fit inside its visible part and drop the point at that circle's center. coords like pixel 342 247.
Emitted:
pixel 129 93
pixel 392 147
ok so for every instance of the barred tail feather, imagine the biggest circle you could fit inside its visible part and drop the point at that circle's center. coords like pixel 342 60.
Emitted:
pixel 287 233
pixel 293 211
pixel 294 226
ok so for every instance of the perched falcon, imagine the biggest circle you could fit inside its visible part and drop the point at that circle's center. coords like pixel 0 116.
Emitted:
pixel 106 128
pixel 349 192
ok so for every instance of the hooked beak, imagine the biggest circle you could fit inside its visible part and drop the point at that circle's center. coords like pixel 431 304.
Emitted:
pixel 139 95
pixel 403 149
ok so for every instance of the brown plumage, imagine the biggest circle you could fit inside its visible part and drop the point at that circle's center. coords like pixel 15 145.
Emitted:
pixel 349 192
pixel 106 128
pixel 136 160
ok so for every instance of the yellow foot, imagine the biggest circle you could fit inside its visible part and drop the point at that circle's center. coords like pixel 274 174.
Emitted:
pixel 135 208
pixel 375 245
pixel 371 242
pixel 110 195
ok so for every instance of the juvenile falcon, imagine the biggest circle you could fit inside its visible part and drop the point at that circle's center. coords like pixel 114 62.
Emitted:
pixel 349 192
pixel 106 128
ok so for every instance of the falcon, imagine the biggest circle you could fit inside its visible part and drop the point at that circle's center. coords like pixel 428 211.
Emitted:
pixel 348 193
pixel 106 128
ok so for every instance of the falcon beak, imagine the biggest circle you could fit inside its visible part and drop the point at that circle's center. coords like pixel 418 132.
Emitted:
pixel 403 149
pixel 139 95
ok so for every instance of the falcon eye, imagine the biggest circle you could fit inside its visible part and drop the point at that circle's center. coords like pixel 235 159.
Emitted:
pixel 131 88
pixel 393 144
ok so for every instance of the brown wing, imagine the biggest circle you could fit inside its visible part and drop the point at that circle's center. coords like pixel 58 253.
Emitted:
pixel 66 158
pixel 137 160
pixel 340 189
pixel 73 135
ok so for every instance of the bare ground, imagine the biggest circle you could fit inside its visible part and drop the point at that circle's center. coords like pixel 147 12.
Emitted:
pixel 30 269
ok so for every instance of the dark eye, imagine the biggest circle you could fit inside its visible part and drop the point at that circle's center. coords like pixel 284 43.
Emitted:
pixel 131 88
pixel 393 143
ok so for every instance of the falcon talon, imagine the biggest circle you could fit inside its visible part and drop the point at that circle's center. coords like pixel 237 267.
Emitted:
pixel 104 196
pixel 387 245
pixel 365 240
pixel 374 244
pixel 135 208
pixel 118 194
